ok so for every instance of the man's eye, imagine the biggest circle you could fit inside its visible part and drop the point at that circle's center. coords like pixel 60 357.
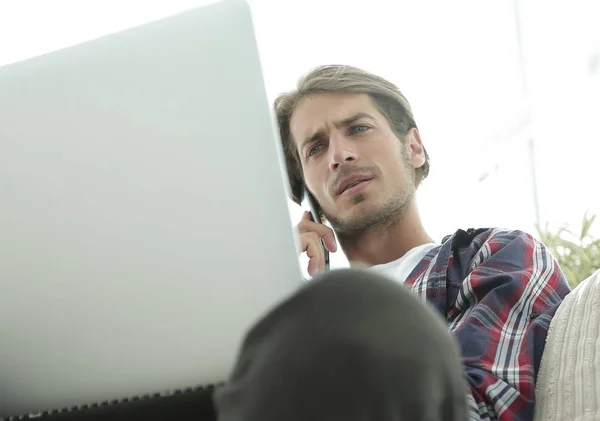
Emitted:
pixel 313 150
pixel 358 129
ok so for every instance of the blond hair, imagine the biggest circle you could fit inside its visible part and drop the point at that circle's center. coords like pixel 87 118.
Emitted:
pixel 339 78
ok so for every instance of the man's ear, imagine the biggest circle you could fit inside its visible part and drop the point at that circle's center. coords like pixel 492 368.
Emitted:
pixel 414 148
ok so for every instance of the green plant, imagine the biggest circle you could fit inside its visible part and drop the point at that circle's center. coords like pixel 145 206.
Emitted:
pixel 578 254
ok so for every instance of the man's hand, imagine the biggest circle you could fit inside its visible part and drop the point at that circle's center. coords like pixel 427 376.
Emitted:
pixel 311 233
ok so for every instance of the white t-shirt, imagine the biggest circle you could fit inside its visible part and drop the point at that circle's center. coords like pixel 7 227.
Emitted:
pixel 401 268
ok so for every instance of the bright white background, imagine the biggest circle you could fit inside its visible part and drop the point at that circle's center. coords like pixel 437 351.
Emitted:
pixel 477 97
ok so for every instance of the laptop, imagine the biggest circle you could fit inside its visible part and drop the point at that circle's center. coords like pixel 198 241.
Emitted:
pixel 144 222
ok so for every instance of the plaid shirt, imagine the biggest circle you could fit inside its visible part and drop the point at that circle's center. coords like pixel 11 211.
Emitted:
pixel 498 291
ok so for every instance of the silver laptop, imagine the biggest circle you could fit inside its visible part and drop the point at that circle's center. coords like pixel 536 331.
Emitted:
pixel 143 220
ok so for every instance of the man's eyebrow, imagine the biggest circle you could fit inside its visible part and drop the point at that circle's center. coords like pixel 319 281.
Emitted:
pixel 348 121
pixel 312 138
pixel 342 123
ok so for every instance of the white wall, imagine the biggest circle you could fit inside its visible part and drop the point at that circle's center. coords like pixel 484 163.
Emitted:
pixel 458 64
pixel 562 44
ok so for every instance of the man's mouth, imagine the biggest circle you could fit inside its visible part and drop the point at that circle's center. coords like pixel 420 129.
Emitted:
pixel 353 183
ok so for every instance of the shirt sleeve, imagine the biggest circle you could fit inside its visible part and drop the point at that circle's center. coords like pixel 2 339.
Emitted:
pixel 500 315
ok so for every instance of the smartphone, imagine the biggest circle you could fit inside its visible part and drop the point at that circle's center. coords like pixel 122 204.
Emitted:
pixel 312 206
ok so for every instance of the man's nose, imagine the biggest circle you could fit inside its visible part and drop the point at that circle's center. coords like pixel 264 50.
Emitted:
pixel 341 151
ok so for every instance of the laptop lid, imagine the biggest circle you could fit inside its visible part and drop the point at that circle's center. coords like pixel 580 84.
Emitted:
pixel 144 220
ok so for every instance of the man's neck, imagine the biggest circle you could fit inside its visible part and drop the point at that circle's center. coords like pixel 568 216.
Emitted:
pixel 385 244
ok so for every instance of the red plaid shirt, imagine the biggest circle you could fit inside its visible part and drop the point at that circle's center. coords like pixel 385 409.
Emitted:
pixel 498 291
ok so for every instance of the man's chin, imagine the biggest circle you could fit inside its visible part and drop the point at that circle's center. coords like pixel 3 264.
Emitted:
pixel 354 206
pixel 347 203
pixel 355 217
pixel 358 198
pixel 366 212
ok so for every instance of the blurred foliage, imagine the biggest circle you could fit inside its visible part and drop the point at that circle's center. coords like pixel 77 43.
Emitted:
pixel 577 253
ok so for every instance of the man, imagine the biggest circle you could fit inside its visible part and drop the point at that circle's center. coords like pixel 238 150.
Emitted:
pixel 353 344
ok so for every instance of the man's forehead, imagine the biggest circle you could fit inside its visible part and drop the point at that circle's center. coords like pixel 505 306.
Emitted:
pixel 317 112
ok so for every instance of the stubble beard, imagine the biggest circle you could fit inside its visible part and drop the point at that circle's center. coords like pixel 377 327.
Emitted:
pixel 386 216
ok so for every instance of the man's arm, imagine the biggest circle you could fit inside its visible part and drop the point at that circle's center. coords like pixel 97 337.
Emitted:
pixel 500 314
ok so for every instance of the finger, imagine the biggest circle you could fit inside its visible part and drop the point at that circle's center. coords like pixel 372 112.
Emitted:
pixel 314 251
pixel 314 266
pixel 329 240
pixel 322 230
pixel 306 216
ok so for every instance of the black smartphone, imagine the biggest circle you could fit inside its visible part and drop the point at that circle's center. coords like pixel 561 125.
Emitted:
pixel 312 207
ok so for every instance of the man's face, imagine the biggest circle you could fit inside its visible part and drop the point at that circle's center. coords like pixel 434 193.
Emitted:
pixel 356 167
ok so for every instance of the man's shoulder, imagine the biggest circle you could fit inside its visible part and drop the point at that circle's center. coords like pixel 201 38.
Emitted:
pixel 461 247
pixel 481 255
pixel 476 238
pixel 467 249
